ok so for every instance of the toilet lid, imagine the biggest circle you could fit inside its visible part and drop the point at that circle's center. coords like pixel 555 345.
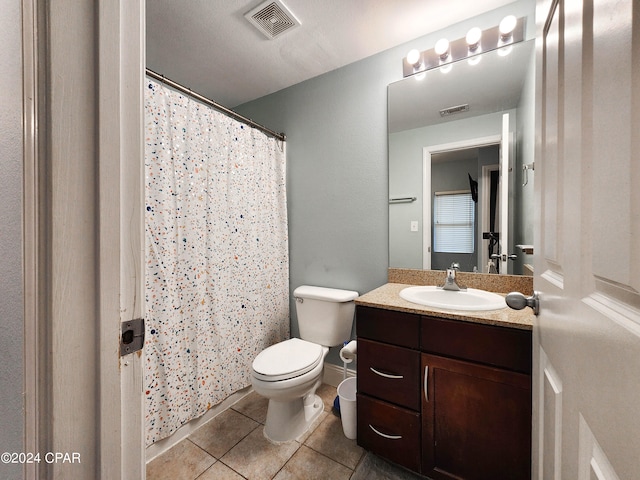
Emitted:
pixel 287 359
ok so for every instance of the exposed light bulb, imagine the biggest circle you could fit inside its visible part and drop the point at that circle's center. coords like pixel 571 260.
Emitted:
pixel 504 51
pixel 507 26
pixel 413 57
pixel 473 38
pixel 420 76
pixel 442 48
pixel 474 60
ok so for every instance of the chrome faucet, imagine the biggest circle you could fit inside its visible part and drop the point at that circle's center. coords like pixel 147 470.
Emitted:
pixel 450 280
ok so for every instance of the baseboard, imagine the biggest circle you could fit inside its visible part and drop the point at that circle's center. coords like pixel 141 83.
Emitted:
pixel 334 374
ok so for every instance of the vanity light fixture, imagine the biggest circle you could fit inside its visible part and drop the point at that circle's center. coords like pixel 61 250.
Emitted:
pixel 477 41
pixel 473 39
pixel 442 48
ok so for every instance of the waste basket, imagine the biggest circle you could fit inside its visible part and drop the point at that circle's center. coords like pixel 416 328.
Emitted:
pixel 347 395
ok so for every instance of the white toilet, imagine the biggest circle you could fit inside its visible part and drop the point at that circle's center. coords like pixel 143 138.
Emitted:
pixel 288 373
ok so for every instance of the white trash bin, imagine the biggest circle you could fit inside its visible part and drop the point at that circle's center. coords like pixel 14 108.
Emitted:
pixel 347 395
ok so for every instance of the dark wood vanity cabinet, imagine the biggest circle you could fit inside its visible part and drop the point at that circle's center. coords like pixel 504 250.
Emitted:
pixel 445 398
pixel 388 409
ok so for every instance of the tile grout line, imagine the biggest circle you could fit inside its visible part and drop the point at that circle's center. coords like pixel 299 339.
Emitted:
pixel 327 456
pixel 352 470
pixel 247 416
pixel 228 450
pixel 218 460
pixel 362 457
pixel 214 458
pixel 333 459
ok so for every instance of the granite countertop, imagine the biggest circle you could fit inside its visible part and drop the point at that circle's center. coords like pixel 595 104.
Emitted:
pixel 388 297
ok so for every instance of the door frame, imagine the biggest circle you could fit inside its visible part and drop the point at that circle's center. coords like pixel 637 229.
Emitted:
pixel 485 182
pixel 427 153
pixel 83 238
pixel 34 243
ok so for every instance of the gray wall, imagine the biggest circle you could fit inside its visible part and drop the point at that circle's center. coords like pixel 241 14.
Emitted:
pixel 11 295
pixel 336 174
pixel 337 180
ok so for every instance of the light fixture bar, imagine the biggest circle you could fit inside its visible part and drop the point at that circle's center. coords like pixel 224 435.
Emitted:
pixel 490 39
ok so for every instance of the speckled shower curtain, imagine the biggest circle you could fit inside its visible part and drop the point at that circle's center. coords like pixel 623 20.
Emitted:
pixel 216 256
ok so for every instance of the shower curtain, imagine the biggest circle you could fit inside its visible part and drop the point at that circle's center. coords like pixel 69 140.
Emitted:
pixel 217 268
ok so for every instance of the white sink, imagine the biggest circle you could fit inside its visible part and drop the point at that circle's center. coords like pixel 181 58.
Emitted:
pixel 470 299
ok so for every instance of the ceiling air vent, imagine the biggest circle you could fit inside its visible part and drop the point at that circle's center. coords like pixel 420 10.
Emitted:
pixel 272 18
pixel 453 110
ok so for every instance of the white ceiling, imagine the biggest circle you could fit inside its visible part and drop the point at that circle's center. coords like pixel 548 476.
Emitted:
pixel 208 45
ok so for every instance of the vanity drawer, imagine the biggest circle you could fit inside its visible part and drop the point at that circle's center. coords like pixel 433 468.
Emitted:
pixel 390 373
pixel 397 328
pixel 503 347
pixel 389 431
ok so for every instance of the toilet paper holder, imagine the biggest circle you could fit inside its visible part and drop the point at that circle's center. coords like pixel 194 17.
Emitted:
pixel 349 352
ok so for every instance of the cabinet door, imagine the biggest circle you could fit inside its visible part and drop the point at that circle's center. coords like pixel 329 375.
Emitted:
pixel 476 421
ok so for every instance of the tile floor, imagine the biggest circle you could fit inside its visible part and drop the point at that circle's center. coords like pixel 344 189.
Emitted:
pixel 232 447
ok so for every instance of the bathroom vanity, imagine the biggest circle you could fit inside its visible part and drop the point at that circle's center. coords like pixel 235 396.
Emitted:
pixel 443 393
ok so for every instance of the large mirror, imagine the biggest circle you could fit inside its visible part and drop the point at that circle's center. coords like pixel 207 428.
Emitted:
pixel 461 164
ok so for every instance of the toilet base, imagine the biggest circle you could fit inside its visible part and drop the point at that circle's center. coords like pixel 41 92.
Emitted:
pixel 288 420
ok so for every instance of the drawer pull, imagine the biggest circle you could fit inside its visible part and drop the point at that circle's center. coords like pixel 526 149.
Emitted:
pixel 426 383
pixel 386 375
pixel 390 437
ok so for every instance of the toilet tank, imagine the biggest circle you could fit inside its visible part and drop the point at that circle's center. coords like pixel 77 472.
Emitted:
pixel 325 315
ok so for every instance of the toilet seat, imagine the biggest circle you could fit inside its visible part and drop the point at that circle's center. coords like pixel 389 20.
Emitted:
pixel 288 359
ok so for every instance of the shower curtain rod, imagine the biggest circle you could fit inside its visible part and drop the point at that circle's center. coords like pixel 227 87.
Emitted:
pixel 217 106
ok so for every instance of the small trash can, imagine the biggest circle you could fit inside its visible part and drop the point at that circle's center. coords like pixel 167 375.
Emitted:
pixel 347 395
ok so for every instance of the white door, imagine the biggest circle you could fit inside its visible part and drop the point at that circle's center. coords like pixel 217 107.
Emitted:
pixel 586 385
pixel 84 401
pixel 505 188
